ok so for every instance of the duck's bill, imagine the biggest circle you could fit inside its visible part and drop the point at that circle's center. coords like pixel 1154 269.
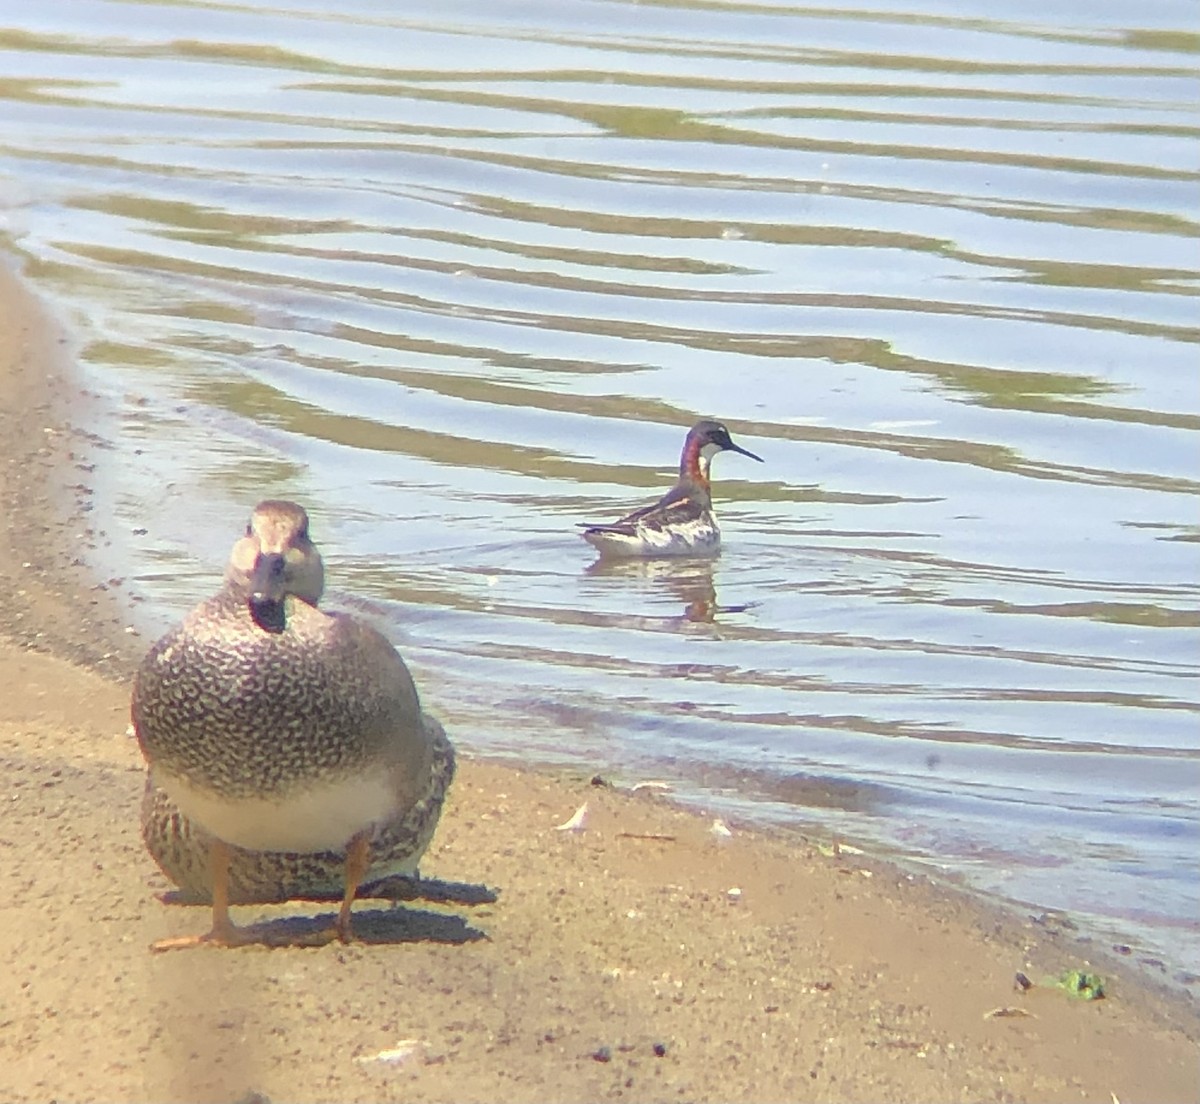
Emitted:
pixel 267 580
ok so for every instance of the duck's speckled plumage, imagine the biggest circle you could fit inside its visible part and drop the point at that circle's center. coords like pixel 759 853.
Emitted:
pixel 288 741
pixel 252 713
pixel 181 847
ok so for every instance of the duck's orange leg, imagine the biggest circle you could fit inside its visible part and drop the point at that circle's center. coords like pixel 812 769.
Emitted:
pixel 358 858
pixel 223 932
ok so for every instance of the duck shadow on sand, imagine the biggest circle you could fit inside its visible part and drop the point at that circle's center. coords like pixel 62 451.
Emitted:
pixel 376 927
pixel 398 923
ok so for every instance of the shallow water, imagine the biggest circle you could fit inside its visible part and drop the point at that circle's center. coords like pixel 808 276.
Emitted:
pixel 460 278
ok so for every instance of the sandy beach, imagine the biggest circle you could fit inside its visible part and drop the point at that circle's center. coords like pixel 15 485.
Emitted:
pixel 643 957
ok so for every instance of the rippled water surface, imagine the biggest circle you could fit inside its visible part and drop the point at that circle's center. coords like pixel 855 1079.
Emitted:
pixel 459 276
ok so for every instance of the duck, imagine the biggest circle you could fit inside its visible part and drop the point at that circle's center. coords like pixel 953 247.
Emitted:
pixel 682 522
pixel 287 750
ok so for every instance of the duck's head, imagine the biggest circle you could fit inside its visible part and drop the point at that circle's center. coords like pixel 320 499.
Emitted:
pixel 276 559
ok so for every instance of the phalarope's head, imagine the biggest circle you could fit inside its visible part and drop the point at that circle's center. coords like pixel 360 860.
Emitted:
pixel 274 559
pixel 704 440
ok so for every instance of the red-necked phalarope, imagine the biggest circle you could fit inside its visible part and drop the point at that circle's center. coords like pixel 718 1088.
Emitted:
pixel 681 523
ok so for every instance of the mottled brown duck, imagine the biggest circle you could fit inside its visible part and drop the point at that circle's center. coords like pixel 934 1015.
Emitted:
pixel 288 753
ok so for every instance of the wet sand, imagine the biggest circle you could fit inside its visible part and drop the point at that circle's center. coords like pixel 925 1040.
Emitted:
pixel 641 958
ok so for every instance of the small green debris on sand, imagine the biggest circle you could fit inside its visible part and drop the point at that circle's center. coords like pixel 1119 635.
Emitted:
pixel 1080 984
